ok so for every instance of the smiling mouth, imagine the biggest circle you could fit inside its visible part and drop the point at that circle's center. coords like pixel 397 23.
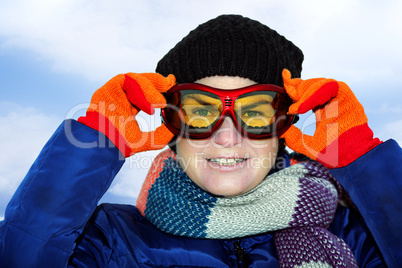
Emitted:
pixel 226 161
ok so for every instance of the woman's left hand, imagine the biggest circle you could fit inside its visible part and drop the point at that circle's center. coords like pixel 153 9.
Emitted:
pixel 342 133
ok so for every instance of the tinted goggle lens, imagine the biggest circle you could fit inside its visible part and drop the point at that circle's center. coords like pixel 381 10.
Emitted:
pixel 196 111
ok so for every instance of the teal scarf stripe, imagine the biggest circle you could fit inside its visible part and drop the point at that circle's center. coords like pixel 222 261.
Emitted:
pixel 173 182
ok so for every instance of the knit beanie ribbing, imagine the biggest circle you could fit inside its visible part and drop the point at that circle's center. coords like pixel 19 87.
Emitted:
pixel 232 45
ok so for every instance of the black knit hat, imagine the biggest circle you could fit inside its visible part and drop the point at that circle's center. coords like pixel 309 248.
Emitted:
pixel 235 46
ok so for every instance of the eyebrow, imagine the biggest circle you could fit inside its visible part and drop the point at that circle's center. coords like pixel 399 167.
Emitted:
pixel 253 105
pixel 203 102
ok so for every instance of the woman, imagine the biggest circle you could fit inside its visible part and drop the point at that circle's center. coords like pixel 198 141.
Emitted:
pixel 222 196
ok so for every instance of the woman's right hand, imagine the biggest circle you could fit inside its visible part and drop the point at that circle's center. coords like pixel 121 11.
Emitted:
pixel 114 106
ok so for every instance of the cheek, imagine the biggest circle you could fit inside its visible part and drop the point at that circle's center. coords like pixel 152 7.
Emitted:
pixel 264 148
pixel 187 148
pixel 187 152
pixel 265 153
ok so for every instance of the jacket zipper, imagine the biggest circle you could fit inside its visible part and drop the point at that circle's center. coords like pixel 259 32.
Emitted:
pixel 242 259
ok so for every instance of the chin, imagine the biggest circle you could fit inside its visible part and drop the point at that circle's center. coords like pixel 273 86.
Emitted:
pixel 227 186
pixel 224 193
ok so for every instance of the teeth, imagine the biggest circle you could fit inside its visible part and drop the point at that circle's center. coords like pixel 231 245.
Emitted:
pixel 227 161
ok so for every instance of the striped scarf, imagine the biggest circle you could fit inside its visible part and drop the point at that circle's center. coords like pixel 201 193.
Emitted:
pixel 297 203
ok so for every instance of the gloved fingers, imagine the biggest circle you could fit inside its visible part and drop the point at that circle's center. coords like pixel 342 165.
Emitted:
pixel 160 137
pixel 314 94
pixel 308 94
pixel 294 139
pixel 342 134
pixel 302 143
pixel 144 90
pixel 160 82
pixel 291 84
pixel 152 140
pixel 136 95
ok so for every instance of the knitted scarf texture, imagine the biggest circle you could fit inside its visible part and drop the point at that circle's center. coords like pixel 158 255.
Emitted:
pixel 297 204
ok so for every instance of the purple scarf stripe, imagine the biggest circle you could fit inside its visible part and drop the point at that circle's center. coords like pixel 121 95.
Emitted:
pixel 309 241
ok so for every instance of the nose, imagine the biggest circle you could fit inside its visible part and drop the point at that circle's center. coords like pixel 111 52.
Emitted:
pixel 227 135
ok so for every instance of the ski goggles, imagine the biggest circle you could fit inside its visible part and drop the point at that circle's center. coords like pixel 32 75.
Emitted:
pixel 197 111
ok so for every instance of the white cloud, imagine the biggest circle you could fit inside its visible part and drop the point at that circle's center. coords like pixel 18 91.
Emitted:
pixel 129 180
pixel 102 38
pixel 131 176
pixel 388 109
pixel 355 41
pixel 350 43
pixel 392 131
pixel 23 133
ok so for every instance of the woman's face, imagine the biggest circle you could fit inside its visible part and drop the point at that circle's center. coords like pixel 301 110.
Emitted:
pixel 227 164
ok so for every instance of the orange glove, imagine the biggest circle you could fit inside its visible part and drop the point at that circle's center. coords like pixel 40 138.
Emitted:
pixel 114 106
pixel 342 134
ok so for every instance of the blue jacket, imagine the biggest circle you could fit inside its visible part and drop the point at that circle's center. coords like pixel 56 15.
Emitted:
pixel 53 219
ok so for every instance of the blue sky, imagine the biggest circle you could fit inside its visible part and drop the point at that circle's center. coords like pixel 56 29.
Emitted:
pixel 55 54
